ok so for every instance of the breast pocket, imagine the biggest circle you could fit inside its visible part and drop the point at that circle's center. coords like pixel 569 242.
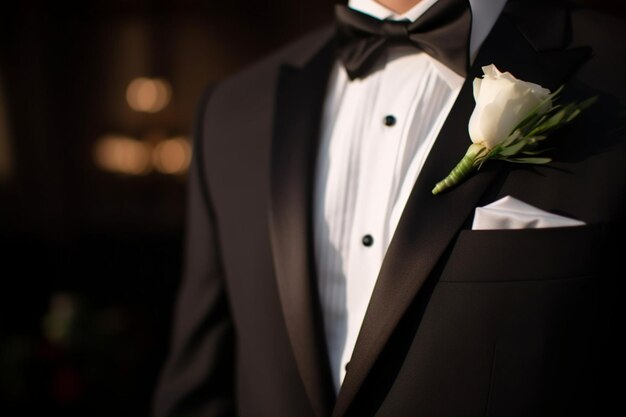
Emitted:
pixel 526 254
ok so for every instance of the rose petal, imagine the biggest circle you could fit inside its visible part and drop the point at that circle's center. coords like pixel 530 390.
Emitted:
pixel 502 102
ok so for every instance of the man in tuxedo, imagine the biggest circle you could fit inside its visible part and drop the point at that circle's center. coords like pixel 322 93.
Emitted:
pixel 323 278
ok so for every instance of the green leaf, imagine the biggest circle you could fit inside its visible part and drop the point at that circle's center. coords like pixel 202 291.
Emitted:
pixel 585 104
pixel 555 119
pixel 510 139
pixel 512 149
pixel 536 152
pixel 529 160
pixel 573 115
pixel 529 123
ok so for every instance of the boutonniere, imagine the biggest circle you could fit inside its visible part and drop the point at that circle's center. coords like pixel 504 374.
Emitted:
pixel 511 119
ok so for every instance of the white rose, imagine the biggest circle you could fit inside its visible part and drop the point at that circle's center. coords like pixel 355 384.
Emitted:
pixel 502 102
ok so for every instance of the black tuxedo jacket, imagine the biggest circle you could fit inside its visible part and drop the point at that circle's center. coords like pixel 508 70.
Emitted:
pixel 461 322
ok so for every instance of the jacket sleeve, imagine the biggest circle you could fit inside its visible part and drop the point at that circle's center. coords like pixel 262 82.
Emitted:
pixel 197 378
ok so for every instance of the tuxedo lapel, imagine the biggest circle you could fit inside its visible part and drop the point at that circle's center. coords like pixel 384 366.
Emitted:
pixel 299 102
pixel 430 223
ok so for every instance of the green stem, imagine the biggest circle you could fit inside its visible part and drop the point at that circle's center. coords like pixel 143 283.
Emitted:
pixel 461 170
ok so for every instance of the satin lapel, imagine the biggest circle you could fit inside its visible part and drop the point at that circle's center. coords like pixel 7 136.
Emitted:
pixel 299 102
pixel 430 223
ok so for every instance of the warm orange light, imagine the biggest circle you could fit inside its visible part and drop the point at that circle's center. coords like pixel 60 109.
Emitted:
pixel 123 154
pixel 148 95
pixel 172 156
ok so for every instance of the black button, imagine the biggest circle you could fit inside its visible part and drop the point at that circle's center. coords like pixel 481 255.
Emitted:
pixel 390 120
pixel 347 366
pixel 368 240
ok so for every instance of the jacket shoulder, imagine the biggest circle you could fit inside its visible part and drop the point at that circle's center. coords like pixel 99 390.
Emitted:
pixel 252 87
pixel 263 71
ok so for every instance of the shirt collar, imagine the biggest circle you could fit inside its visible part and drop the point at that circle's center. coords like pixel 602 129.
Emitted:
pixel 377 10
pixel 484 16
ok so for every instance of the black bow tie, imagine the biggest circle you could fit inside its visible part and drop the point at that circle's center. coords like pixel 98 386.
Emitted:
pixel 442 32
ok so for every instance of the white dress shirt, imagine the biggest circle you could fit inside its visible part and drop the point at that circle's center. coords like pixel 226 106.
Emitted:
pixel 376 134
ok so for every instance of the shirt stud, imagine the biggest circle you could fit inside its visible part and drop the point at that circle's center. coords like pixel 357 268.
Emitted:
pixel 390 120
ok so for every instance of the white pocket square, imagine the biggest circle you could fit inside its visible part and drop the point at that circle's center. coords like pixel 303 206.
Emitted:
pixel 511 213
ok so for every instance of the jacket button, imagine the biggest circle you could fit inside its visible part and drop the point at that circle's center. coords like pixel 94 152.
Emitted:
pixel 390 120
pixel 367 240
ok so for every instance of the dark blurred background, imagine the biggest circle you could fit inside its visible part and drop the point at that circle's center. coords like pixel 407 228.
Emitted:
pixel 96 108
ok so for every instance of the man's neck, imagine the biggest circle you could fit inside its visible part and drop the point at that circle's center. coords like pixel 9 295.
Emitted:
pixel 398 6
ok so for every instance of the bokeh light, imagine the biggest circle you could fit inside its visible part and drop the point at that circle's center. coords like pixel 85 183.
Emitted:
pixel 148 95
pixel 123 154
pixel 172 156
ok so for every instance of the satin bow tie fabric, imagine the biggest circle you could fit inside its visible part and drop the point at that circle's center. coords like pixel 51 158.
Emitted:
pixel 442 32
